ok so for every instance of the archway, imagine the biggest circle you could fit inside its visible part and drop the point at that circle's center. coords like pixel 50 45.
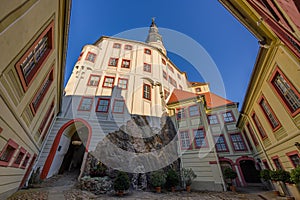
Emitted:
pixel 74 131
pixel 250 173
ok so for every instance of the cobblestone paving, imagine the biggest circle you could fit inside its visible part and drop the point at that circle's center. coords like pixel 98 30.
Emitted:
pixel 74 194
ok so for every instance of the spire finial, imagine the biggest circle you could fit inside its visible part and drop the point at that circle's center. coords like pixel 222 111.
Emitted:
pixel 153 19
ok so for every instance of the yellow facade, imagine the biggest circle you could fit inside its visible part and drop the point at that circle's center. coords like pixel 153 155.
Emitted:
pixel 33 38
pixel 269 114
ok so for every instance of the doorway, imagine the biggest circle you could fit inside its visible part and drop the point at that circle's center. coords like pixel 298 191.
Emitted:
pixel 250 173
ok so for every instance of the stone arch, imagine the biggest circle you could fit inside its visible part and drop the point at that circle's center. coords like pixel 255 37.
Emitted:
pixel 57 139
pixel 250 162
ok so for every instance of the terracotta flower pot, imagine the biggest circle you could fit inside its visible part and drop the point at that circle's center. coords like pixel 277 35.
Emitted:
pixel 120 193
pixel 276 192
pixel 173 189
pixel 158 189
pixel 188 188
pixel 233 188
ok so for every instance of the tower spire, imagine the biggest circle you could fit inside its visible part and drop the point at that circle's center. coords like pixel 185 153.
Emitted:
pixel 154 38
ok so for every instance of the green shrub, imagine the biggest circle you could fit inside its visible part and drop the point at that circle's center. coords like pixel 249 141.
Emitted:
pixel 158 178
pixel 188 176
pixel 172 179
pixel 280 175
pixel 121 182
pixel 229 173
pixel 265 174
pixel 295 175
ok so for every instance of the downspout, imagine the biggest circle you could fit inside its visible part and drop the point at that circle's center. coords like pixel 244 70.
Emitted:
pixel 201 101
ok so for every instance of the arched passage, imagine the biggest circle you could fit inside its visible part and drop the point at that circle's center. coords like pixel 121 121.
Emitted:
pixel 248 170
pixel 61 144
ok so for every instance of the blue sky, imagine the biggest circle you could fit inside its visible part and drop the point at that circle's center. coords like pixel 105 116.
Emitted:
pixel 231 46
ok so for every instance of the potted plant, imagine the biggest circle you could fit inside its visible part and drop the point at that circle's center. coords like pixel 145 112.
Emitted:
pixel 230 175
pixel 172 179
pixel 295 175
pixel 265 176
pixel 157 180
pixel 121 183
pixel 295 179
pixel 188 177
pixel 281 176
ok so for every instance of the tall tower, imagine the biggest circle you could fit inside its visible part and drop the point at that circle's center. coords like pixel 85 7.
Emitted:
pixel 154 38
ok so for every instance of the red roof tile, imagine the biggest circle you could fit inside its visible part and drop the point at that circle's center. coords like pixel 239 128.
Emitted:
pixel 180 95
pixel 212 100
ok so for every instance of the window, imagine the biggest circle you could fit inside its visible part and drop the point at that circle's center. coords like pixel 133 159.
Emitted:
pixel 247 140
pixel 199 138
pixel 93 80
pixel 252 135
pixel 297 4
pixel 198 89
pixel 237 142
pixel 170 68
pixel 259 126
pixel 108 82
pixel 178 76
pixel 266 164
pixel 163 61
pixel 220 143
pixel 228 117
pixel 47 127
pixel 277 162
pixel 288 94
pixel 294 158
pixel 147 51
pixel 147 67
pixel 128 47
pixel 180 87
pixel 119 106
pixel 24 164
pixel 90 57
pixel 167 93
pixel 184 139
pixel 122 83
pixel 165 75
pixel 147 91
pixel 213 119
pixel 172 81
pixel 180 113
pixel 194 111
pixel 19 157
pixel 113 62
pixel 38 98
pixel 85 104
pixel 8 152
pixel 269 113
pixel 46 117
pixel 117 45
pixel 125 63
pixel 32 61
pixel 103 105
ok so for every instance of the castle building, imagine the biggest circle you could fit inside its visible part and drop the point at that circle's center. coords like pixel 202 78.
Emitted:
pixel 116 78
pixel 270 112
pixel 33 51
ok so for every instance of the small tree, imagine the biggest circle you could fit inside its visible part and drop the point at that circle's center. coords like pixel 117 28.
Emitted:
pixel 121 182
pixel 172 179
pixel 265 174
pixel 295 175
pixel 280 175
pixel 188 176
pixel 158 178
